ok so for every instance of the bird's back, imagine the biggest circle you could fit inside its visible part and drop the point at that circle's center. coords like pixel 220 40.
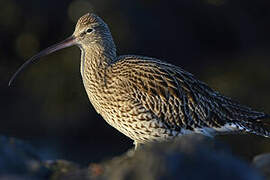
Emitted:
pixel 156 100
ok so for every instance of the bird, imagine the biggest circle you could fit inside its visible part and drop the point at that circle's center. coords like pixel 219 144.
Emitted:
pixel 147 99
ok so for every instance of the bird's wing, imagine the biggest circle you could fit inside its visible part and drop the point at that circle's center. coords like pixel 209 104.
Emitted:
pixel 177 98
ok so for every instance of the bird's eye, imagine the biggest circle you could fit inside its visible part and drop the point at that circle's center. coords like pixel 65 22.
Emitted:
pixel 89 30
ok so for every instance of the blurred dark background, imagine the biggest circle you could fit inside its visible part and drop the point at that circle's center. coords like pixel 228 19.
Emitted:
pixel 225 43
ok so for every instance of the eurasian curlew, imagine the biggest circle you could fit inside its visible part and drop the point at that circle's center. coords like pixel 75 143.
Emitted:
pixel 147 99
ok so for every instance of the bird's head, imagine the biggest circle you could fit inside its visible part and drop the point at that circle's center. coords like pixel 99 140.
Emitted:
pixel 90 32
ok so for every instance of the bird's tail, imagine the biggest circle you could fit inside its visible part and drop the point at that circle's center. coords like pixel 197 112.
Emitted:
pixel 259 128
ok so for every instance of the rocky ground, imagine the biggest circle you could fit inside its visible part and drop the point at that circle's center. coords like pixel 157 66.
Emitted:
pixel 189 157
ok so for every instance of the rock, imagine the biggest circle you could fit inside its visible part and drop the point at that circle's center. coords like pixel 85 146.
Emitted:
pixel 19 160
pixel 262 163
pixel 61 168
pixel 188 157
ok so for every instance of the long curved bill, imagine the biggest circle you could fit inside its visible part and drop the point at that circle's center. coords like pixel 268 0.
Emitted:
pixel 66 43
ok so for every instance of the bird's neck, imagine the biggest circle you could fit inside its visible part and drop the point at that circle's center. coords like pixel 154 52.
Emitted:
pixel 94 61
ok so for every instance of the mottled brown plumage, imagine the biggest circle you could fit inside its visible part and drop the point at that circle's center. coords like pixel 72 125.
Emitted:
pixel 147 99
